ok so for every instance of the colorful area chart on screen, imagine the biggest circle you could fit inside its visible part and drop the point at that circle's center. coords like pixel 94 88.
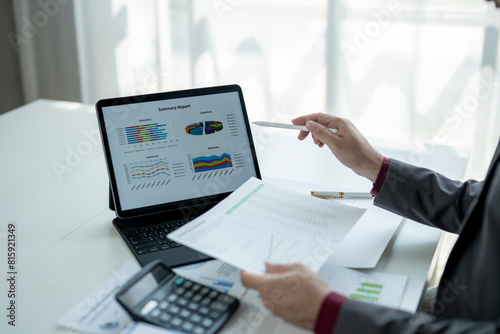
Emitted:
pixel 213 162
pixel 195 129
pixel 144 133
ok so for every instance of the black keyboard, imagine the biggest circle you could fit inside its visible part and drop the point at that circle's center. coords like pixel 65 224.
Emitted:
pixel 153 238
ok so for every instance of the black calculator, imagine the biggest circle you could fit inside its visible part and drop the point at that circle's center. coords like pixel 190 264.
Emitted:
pixel 158 296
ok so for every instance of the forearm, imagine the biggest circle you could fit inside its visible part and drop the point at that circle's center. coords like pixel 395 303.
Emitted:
pixel 426 196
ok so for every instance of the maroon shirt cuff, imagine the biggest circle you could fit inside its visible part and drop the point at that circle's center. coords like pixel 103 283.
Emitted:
pixel 329 312
pixel 380 177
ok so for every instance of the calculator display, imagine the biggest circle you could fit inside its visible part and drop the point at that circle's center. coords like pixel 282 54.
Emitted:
pixel 144 287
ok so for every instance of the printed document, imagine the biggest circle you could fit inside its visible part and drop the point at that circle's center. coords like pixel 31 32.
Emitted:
pixel 261 222
pixel 373 231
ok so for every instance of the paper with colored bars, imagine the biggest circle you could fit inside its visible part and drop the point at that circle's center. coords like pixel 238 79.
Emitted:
pixel 261 222
pixel 373 287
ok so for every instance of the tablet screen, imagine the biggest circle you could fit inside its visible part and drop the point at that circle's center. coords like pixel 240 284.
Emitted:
pixel 177 147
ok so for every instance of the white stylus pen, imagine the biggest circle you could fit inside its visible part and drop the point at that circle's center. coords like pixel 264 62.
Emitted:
pixel 340 194
pixel 287 126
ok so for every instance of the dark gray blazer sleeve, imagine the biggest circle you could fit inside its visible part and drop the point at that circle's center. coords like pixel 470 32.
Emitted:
pixel 426 196
pixel 358 317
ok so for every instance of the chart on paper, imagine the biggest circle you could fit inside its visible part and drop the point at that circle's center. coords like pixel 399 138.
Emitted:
pixel 373 288
pixel 260 222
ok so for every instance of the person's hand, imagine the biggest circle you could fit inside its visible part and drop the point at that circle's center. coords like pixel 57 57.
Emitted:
pixel 349 146
pixel 292 292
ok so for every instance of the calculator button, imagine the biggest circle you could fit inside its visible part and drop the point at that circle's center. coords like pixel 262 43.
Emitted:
pixel 199 330
pixel 204 291
pixel 176 322
pixel 196 287
pixel 212 294
pixel 150 306
pixel 179 281
pixel 163 305
pixel 188 327
pixel 225 299
pixel 188 294
pixel 195 319
pixel 188 284
pixel 164 317
pixel 193 306
pixel 216 306
pixel 185 313
pixel 172 298
pixel 207 322
pixel 155 313
pixel 204 310
pixel 214 314
pixel 197 298
pixel 182 302
pixel 205 301
pixel 174 310
pixel 180 291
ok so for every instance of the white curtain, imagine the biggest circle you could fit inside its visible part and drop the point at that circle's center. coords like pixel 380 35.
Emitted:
pixel 416 70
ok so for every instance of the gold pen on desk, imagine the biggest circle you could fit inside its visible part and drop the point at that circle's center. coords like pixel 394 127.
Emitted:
pixel 340 194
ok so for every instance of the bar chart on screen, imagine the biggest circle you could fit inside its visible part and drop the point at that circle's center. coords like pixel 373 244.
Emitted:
pixel 142 133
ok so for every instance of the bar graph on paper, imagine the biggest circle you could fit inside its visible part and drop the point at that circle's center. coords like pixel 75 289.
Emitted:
pixel 368 292
pixel 373 288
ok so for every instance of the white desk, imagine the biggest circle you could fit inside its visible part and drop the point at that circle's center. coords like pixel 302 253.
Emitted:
pixel 66 243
